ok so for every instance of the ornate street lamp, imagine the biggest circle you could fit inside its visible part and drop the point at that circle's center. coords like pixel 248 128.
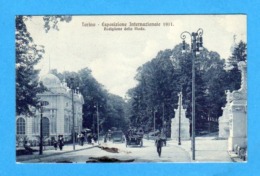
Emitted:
pixel 196 47
pixel 72 87
pixel 96 106
pixel 42 104
pixel 154 120
pixel 180 105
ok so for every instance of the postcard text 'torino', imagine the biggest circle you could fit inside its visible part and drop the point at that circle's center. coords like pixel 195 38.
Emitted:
pixel 88 24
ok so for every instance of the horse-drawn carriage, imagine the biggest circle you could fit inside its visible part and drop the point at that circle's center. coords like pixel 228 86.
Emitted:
pixel 134 137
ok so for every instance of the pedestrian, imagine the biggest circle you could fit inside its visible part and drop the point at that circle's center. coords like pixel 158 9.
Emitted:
pixel 55 144
pixel 109 136
pixel 27 147
pixel 89 138
pixel 82 137
pixel 159 143
pixel 60 142
pixel 95 137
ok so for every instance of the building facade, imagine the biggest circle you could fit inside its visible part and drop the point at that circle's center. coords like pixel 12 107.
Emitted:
pixel 57 118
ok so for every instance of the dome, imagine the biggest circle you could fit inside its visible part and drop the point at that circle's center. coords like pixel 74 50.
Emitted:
pixel 50 80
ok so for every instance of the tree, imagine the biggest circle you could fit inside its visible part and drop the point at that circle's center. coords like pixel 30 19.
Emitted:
pixel 153 98
pixel 161 79
pixel 111 108
pixel 116 112
pixel 28 55
pixel 234 75
pixel 52 21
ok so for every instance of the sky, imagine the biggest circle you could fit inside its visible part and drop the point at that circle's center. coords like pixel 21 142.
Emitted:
pixel 114 56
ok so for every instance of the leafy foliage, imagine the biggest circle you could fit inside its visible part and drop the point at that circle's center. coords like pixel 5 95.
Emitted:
pixel 28 55
pixel 111 108
pixel 160 81
pixel 52 21
pixel 234 75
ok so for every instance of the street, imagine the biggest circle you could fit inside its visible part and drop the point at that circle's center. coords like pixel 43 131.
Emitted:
pixel 208 149
pixel 147 153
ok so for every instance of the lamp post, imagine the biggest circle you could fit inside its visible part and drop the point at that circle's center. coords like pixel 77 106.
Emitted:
pixel 73 120
pixel 179 143
pixel 40 147
pixel 163 119
pixel 42 104
pixel 94 120
pixel 196 46
pixel 154 120
pixel 163 131
pixel 73 114
pixel 97 123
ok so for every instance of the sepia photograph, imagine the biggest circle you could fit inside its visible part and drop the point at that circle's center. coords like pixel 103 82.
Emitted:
pixel 131 89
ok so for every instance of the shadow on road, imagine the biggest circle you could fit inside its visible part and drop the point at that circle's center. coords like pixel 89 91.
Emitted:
pixel 105 159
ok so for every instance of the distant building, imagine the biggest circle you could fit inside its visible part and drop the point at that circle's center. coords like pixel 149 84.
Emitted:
pixel 57 115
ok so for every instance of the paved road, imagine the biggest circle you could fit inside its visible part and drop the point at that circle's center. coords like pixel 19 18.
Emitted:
pixel 208 149
pixel 147 153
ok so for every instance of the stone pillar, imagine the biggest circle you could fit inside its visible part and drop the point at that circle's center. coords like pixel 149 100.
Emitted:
pixel 238 113
pixel 224 119
pixel 185 125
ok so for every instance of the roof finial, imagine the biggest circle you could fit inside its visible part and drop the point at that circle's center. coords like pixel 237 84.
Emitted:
pixel 235 37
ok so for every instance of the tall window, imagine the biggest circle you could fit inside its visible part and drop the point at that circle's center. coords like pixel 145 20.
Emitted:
pixel 45 126
pixel 35 127
pixel 66 125
pixel 20 126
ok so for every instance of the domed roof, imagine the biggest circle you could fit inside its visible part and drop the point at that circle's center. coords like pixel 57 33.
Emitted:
pixel 50 80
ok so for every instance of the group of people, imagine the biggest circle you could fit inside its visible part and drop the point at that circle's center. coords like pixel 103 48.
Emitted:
pixel 89 138
pixel 81 137
pixel 59 143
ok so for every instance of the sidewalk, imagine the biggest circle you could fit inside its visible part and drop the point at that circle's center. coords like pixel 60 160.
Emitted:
pixel 50 151
pixel 207 149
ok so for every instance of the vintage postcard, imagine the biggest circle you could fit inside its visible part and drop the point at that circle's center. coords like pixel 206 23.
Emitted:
pixel 131 88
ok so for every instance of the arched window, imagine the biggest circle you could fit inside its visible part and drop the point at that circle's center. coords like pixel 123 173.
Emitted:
pixel 45 126
pixel 20 126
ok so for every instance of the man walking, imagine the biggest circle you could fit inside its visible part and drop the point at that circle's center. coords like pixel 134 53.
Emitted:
pixel 60 140
pixel 159 143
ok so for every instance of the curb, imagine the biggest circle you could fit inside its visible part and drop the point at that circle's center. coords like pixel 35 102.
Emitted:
pixel 53 154
pixel 187 151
